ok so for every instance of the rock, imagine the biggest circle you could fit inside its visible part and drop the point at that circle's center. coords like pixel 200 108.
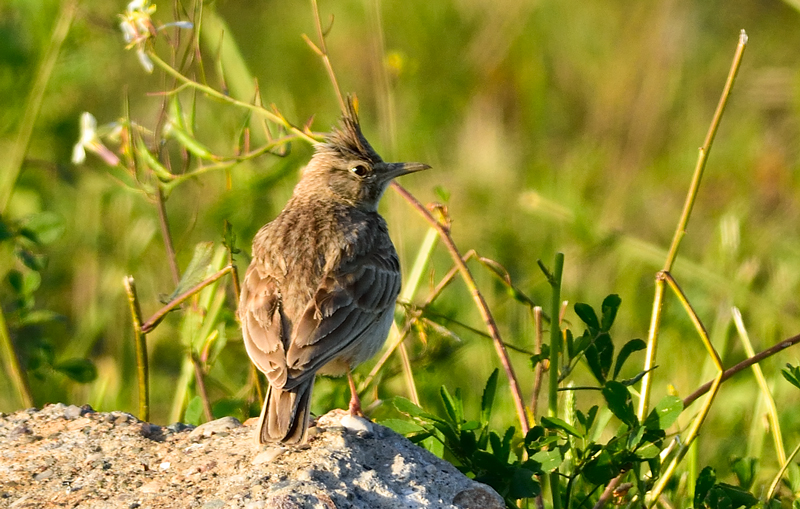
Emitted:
pixel 214 427
pixel 87 459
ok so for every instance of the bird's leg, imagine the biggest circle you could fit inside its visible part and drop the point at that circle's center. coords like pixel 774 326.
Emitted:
pixel 355 402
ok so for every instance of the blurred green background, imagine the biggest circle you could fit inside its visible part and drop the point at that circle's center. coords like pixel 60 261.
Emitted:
pixel 553 125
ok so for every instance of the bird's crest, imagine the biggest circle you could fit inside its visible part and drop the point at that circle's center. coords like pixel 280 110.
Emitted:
pixel 347 139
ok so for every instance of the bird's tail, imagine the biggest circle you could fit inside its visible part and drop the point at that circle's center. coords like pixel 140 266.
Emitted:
pixel 284 417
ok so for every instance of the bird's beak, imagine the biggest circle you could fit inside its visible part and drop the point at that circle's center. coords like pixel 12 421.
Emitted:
pixel 393 170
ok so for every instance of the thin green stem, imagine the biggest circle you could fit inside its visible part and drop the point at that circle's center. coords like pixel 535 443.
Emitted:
pixel 477 297
pixel 773 486
pixel 555 348
pixel 322 51
pixel 273 117
pixel 141 349
pixel 18 378
pixel 166 235
pixel 555 337
pixel 8 177
pixel 772 410
pixel 680 231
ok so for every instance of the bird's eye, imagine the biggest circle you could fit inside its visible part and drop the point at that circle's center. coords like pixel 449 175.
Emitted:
pixel 360 170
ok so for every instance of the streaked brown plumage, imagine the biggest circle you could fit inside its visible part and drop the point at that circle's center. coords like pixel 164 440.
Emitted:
pixel 319 294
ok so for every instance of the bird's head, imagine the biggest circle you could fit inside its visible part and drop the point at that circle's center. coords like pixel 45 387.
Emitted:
pixel 347 166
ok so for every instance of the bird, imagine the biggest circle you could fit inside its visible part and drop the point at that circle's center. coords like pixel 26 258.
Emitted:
pixel 319 294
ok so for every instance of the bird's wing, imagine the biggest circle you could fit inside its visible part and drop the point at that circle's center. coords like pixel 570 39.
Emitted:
pixel 348 303
pixel 262 324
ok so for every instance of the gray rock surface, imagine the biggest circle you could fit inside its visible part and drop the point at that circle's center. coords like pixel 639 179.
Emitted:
pixel 67 456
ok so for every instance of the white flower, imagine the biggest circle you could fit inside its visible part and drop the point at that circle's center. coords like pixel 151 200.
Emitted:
pixel 137 27
pixel 89 140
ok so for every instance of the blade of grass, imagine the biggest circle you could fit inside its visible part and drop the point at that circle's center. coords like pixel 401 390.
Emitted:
pixel 680 231
pixel 772 410
pixel 8 177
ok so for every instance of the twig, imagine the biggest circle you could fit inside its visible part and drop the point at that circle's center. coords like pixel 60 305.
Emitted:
pixel 271 116
pixel 480 302
pixel 201 388
pixel 141 349
pixel 322 51
pixel 167 235
pixel 783 345
pixel 154 320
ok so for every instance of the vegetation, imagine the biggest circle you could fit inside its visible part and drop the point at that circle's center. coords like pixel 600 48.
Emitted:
pixel 145 147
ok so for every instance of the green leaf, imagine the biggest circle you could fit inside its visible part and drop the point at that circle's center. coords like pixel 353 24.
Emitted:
pixel 549 460
pixel 442 194
pixel 599 356
pixel 609 309
pixel 588 420
pixel 450 405
pixel 631 346
pixel 33 261
pixel 229 238
pixel 533 436
pixel 556 423
pixel 523 484
pixel 402 427
pixel 648 451
pixel 745 470
pixel 665 413
pixel 705 481
pixel 194 411
pixel 600 469
pixel 187 141
pixel 739 497
pixel 717 499
pixel 46 226
pixel 487 400
pixel 81 370
pixel 40 316
pixel 228 407
pixel 405 406
pixel 587 314
pixel 197 270
pixel 152 163
pixel 542 356
pixel 792 374
pixel 619 402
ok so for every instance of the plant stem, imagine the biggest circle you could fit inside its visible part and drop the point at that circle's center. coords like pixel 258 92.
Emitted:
pixel 783 345
pixel 680 231
pixel 480 303
pixel 141 349
pixel 555 347
pixel 539 372
pixel 8 177
pixel 167 236
pixel 201 388
pixel 773 487
pixel 772 410
pixel 18 378
pixel 273 117
pixel 555 337
pixel 154 320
